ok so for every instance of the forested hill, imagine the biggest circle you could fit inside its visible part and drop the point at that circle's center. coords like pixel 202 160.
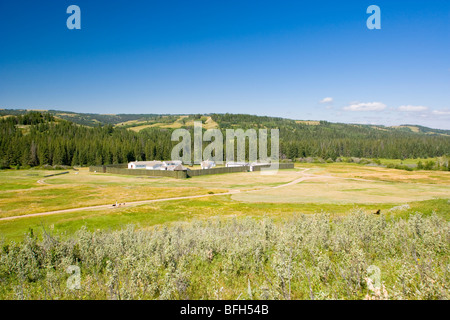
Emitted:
pixel 225 121
pixel 251 121
pixel 38 138
pixel 331 140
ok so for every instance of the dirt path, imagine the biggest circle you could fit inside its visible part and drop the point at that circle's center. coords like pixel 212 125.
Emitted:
pixel 109 206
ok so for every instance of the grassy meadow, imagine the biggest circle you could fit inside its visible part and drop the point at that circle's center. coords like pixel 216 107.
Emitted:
pixel 335 188
pixel 312 217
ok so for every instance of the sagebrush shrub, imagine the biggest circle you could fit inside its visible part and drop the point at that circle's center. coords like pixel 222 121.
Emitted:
pixel 300 257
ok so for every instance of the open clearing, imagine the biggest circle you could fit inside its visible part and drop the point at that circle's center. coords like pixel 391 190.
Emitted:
pixel 27 191
pixel 309 188
pixel 207 123
pixel 333 187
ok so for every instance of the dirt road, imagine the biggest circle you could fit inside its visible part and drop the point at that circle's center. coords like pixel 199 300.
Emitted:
pixel 109 206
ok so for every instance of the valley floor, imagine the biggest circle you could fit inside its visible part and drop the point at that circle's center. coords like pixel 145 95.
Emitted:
pixel 64 203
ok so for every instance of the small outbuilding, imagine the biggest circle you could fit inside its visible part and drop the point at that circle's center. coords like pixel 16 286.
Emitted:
pixel 208 164
pixel 180 168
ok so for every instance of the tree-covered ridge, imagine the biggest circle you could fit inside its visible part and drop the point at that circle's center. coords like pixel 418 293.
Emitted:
pixel 251 121
pixel 36 138
pixel 226 121
pixel 67 143
pixel 30 118
pixel 422 129
pixel 93 119
pixel 332 140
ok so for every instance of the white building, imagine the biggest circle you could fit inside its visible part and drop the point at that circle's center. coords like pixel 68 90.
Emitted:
pixel 208 164
pixel 154 165
pixel 236 164
pixel 172 163
pixel 148 165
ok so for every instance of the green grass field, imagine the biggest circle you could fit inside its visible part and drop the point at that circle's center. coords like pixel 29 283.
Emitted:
pixel 335 188
pixel 406 161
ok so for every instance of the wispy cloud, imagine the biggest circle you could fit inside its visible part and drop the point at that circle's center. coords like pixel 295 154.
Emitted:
pixel 326 100
pixel 409 108
pixel 366 106
pixel 441 112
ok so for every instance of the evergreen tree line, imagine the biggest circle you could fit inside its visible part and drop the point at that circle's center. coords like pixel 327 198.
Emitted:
pixel 333 140
pixel 64 143
pixel 46 141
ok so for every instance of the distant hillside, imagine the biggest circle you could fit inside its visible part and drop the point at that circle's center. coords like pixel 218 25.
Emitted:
pixel 421 129
pixel 56 137
pixel 87 119
pixel 251 121
pixel 143 121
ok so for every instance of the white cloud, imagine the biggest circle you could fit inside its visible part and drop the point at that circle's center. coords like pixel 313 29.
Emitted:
pixel 410 108
pixel 441 112
pixel 366 106
pixel 326 100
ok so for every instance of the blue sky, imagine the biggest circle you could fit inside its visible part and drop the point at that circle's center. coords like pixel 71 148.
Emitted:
pixel 295 59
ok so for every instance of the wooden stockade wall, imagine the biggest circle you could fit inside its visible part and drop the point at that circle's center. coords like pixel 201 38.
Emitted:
pixel 139 172
pixel 103 168
pixel 122 169
pixel 281 166
pixel 56 174
pixel 195 173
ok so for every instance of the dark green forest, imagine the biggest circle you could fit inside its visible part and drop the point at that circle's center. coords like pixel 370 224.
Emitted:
pixel 39 138
pixel 66 143
pixel 332 140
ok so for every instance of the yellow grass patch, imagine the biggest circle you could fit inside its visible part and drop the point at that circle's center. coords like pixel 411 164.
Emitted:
pixel 383 174
pixel 210 124
pixel 343 191
pixel 378 128
pixel 412 128
pixel 310 123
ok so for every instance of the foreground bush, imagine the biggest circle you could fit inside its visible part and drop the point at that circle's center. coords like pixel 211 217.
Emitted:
pixel 358 256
